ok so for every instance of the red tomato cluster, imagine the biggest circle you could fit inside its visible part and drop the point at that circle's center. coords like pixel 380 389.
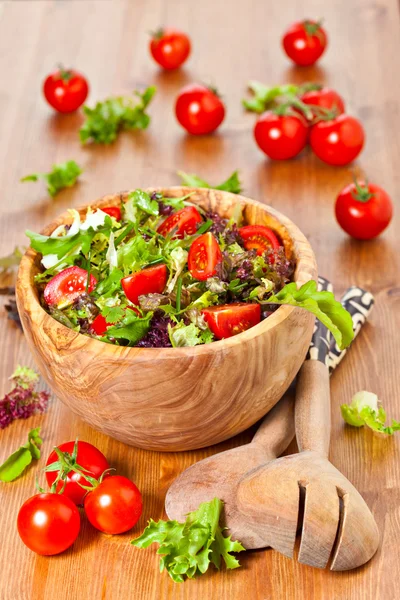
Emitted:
pixel 49 523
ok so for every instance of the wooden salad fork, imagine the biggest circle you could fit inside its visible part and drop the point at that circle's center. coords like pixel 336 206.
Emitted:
pixel 219 475
pixel 337 522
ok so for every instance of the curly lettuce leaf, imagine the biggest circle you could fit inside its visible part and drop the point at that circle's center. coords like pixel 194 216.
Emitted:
pixel 108 118
pixel 263 95
pixel 322 304
pixel 16 464
pixel 188 548
pixel 364 410
pixel 132 328
pixel 232 184
pixel 61 176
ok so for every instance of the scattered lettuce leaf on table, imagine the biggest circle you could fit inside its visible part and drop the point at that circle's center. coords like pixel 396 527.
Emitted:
pixel 12 260
pixel 232 184
pixel 322 304
pixel 61 176
pixel 188 548
pixel 16 464
pixel 364 410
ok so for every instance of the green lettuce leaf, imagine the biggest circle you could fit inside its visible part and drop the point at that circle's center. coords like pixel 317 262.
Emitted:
pixel 182 335
pixel 263 95
pixel 232 184
pixel 188 548
pixel 61 176
pixel 16 464
pixel 108 118
pixel 322 304
pixel 131 328
pixel 364 410
pixel 11 260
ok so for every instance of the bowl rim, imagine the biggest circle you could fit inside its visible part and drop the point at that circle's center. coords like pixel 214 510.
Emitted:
pixel 306 269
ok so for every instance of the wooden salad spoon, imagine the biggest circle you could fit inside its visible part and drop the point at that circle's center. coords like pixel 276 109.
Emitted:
pixel 337 522
pixel 218 475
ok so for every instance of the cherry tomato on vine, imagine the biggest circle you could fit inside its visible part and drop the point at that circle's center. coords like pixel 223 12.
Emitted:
pixel 363 210
pixel 204 256
pixel 281 136
pixel 231 319
pixel 65 90
pixel 113 211
pixel 184 221
pixel 199 109
pixel 170 48
pixel 67 285
pixel 304 42
pixel 48 523
pixel 88 457
pixel 151 280
pixel 324 98
pixel 338 141
pixel 114 506
pixel 259 237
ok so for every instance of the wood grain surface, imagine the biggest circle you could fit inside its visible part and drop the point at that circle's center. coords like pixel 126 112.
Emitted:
pixel 233 42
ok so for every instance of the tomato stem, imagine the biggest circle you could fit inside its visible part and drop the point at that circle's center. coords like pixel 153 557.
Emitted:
pixel 312 28
pixel 362 193
pixel 65 74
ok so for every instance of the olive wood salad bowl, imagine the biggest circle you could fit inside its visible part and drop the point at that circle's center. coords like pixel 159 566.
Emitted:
pixel 171 399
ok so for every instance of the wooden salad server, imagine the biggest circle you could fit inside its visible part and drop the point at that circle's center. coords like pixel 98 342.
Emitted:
pixel 218 475
pixel 337 522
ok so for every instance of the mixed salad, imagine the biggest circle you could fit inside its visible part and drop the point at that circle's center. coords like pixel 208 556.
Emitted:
pixel 163 272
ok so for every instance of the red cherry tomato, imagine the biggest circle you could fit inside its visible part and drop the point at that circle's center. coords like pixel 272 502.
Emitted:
pixel 113 211
pixel 89 458
pixel 115 505
pixel 304 42
pixel 147 281
pixel 324 98
pixel 231 319
pixel 65 90
pixel 199 109
pixel 363 210
pixel 48 523
pixel 338 141
pixel 67 285
pixel 184 221
pixel 204 256
pixel 170 48
pixel 259 237
pixel 281 136
pixel 100 325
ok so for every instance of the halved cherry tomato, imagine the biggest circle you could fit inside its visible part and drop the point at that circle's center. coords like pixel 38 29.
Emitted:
pixel 204 255
pixel 113 211
pixel 89 458
pixel 184 221
pixel 48 523
pixel 64 287
pixel 259 237
pixel 100 324
pixel 231 319
pixel 148 281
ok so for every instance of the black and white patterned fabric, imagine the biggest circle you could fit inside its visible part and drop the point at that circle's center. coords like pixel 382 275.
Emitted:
pixel 359 303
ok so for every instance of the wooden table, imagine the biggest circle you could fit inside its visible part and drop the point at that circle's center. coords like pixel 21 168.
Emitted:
pixel 233 42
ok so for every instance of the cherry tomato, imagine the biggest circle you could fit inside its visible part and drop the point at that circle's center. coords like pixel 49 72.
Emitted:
pixel 281 136
pixel 324 98
pixel 184 221
pixel 89 458
pixel 100 324
pixel 199 109
pixel 338 141
pixel 67 285
pixel 231 319
pixel 204 256
pixel 363 210
pixel 48 523
pixel 65 90
pixel 115 505
pixel 259 237
pixel 151 280
pixel 113 211
pixel 170 48
pixel 304 42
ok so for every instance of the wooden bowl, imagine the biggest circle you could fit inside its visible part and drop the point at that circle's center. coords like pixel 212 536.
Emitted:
pixel 172 399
